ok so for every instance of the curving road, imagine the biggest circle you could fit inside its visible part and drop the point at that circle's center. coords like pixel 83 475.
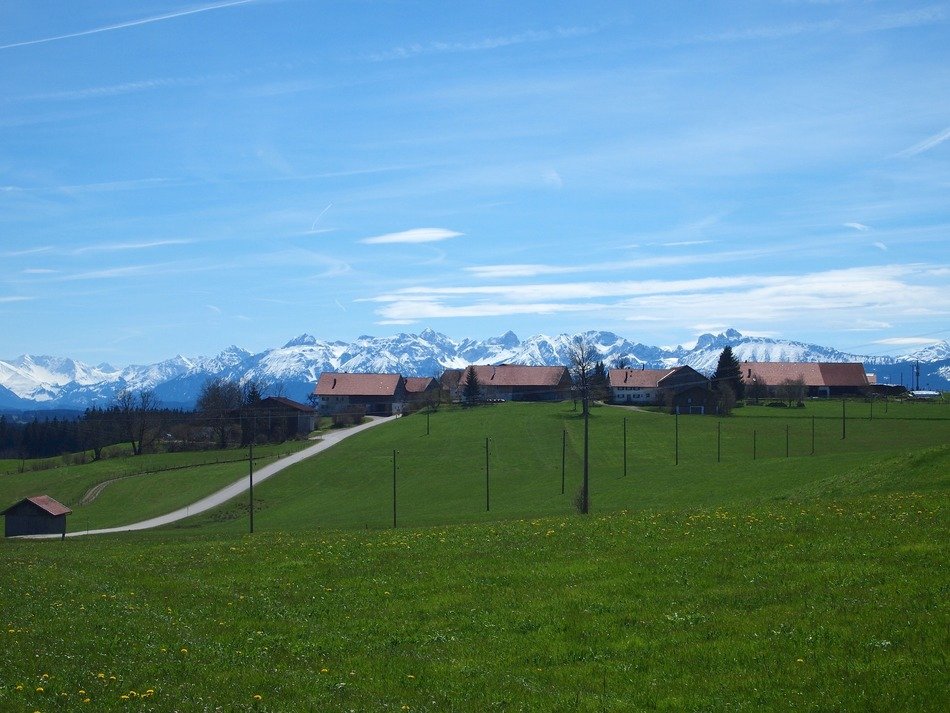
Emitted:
pixel 236 488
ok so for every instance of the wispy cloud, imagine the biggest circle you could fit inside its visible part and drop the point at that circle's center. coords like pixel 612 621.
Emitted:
pixel 130 23
pixel 927 144
pixel 17 298
pixel 480 45
pixel 416 235
pixel 28 251
pixel 493 272
pixel 749 299
pixel 857 226
pixel 119 247
pixel 879 245
pixel 908 341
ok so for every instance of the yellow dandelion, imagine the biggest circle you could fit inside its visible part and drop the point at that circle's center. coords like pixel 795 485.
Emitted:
pixel 410 676
pixel 101 675
pixel 85 700
pixel 324 670
pixel 258 697
pixel 124 697
pixel 39 689
pixel 184 650
pixel 82 692
pixel 45 675
pixel 19 687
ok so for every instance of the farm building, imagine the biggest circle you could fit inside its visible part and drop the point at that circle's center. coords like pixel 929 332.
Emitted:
pixel 681 388
pixel 422 389
pixel 39 515
pixel 820 379
pixel 278 416
pixel 379 394
pixel 512 382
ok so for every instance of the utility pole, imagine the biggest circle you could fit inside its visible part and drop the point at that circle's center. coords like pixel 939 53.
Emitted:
pixel 487 480
pixel 250 475
pixel 563 457
pixel 719 442
pixel 676 437
pixel 585 505
pixel 813 435
pixel 624 446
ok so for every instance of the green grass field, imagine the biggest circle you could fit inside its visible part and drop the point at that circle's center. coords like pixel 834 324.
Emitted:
pixel 144 486
pixel 780 583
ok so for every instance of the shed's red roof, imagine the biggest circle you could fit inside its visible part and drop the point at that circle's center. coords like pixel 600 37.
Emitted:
pixel 44 502
pixel 340 384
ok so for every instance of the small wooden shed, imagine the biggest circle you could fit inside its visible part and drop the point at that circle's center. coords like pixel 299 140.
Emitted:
pixel 39 515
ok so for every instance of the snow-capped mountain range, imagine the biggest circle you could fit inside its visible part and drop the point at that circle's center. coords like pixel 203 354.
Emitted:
pixel 45 382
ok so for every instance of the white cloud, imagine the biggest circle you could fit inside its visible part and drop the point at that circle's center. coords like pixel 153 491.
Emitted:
pixel 115 247
pixel 131 23
pixel 927 144
pixel 480 45
pixel 5 300
pixel 759 301
pixel 416 235
pixel 552 178
pixel 908 341
pixel 879 245
pixel 857 226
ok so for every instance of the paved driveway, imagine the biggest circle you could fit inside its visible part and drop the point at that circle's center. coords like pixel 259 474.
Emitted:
pixel 236 488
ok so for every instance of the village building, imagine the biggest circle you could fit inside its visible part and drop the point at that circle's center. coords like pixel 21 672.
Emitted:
pixel 422 390
pixel 819 379
pixel 38 515
pixel 377 394
pixel 681 388
pixel 511 382
pixel 281 417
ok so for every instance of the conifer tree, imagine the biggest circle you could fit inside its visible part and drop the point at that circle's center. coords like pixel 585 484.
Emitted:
pixel 729 373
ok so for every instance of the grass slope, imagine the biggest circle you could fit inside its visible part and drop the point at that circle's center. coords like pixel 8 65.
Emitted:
pixel 834 598
pixel 441 477
pixel 140 487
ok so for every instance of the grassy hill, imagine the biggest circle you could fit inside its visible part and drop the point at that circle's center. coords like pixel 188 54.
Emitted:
pixel 813 581
pixel 441 477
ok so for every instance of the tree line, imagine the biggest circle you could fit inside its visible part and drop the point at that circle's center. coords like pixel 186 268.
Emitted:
pixel 226 414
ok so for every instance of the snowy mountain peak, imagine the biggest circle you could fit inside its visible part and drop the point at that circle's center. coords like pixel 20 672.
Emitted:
pixel 304 340
pixel 934 352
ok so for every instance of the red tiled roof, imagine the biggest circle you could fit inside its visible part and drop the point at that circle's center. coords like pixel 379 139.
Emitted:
pixel 637 378
pixel 814 373
pixel 418 384
pixel 46 503
pixel 339 384
pixel 516 375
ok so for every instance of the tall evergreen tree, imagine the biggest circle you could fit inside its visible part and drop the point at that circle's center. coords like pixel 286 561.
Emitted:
pixel 472 391
pixel 729 373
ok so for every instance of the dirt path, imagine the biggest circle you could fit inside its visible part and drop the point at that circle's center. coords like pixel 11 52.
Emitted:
pixel 236 488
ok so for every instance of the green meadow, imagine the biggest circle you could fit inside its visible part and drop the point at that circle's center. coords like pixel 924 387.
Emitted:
pixel 725 565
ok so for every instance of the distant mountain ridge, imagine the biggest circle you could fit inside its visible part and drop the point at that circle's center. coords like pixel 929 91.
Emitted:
pixel 48 382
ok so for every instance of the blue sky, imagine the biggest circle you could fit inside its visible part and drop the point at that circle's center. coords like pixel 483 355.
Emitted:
pixel 176 177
